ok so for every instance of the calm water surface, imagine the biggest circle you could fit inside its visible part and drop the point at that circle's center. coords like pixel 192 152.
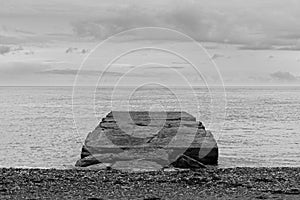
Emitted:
pixel 261 126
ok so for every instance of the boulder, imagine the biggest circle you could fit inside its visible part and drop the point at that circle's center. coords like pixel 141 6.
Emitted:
pixel 138 139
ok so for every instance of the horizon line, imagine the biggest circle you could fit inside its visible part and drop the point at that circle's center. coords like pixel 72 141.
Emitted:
pixel 285 85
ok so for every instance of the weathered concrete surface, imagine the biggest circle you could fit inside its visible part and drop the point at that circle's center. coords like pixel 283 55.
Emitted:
pixel 163 139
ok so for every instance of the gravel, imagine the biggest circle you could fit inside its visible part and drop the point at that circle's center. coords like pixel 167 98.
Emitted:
pixel 211 183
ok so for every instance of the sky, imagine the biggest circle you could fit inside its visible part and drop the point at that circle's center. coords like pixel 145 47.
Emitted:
pixel 248 42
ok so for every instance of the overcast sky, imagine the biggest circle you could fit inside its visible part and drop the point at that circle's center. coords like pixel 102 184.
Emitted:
pixel 252 42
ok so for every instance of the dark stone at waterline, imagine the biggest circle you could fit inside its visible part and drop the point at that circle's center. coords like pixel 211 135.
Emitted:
pixel 152 140
pixel 184 161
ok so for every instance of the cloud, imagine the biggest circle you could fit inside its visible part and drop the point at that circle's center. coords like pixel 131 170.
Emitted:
pixel 259 78
pixel 198 22
pixel 233 21
pixel 21 68
pixel 76 50
pixel 290 36
pixel 283 76
pixel 257 46
pixel 82 72
pixel 37 73
pixel 289 48
pixel 216 56
pixel 164 67
pixel 36 68
pixel 264 46
pixel 4 50
pixel 211 47
pixel 202 20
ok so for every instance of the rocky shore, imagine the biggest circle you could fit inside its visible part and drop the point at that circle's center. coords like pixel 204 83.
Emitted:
pixel 210 183
pixel 139 139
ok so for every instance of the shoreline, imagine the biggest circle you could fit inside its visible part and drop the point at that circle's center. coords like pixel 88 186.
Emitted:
pixel 210 183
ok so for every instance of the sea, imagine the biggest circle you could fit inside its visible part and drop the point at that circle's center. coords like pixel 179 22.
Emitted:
pixel 45 127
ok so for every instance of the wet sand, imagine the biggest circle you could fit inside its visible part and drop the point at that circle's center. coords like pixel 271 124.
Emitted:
pixel 235 183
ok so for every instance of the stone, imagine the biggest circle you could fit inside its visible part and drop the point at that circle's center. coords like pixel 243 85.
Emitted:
pixel 184 161
pixel 156 139
pixel 87 161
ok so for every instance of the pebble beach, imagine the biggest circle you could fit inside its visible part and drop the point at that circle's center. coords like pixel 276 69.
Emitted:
pixel 108 184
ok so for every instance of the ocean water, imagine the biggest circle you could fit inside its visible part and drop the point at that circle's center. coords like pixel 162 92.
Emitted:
pixel 46 126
